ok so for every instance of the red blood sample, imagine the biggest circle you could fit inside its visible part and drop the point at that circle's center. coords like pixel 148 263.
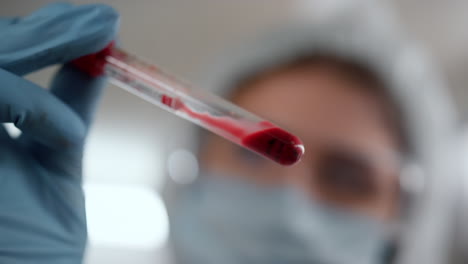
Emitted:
pixel 267 140
pixel 94 64
pixel 275 144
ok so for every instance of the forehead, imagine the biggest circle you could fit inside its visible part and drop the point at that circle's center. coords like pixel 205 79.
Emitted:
pixel 321 106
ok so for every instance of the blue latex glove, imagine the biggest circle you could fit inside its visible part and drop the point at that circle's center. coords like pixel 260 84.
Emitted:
pixel 42 213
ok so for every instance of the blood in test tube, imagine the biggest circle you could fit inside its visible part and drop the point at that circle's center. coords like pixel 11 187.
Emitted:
pixel 268 139
pixel 276 144
pixel 94 64
pixel 263 137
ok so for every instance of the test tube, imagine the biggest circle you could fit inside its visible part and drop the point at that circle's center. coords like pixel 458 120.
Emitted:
pixel 202 108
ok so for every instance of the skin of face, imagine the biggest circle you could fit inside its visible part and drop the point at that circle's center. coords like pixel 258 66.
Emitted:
pixel 351 157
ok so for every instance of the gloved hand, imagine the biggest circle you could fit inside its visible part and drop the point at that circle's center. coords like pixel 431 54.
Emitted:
pixel 42 213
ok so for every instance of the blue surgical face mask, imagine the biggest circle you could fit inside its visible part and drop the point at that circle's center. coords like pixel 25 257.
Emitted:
pixel 223 220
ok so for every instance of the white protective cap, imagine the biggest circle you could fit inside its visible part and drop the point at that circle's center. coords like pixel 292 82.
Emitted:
pixel 429 116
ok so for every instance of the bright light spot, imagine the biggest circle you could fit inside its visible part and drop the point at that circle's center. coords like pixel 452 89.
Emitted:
pixel 182 166
pixel 126 216
pixel 12 130
pixel 115 158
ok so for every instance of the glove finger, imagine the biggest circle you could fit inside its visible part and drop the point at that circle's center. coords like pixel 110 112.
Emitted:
pixel 78 90
pixel 7 21
pixel 40 115
pixel 48 10
pixel 54 34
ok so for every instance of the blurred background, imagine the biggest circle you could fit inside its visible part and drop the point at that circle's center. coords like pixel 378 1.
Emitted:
pixel 134 147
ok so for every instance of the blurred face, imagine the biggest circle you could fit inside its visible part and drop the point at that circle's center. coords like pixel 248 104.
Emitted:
pixel 351 149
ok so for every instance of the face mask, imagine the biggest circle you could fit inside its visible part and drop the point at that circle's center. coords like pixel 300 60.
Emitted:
pixel 222 220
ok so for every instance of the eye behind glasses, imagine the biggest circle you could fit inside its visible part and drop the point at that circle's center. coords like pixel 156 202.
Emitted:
pixel 346 176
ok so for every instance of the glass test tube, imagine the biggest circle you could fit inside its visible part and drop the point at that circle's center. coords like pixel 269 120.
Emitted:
pixel 204 109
